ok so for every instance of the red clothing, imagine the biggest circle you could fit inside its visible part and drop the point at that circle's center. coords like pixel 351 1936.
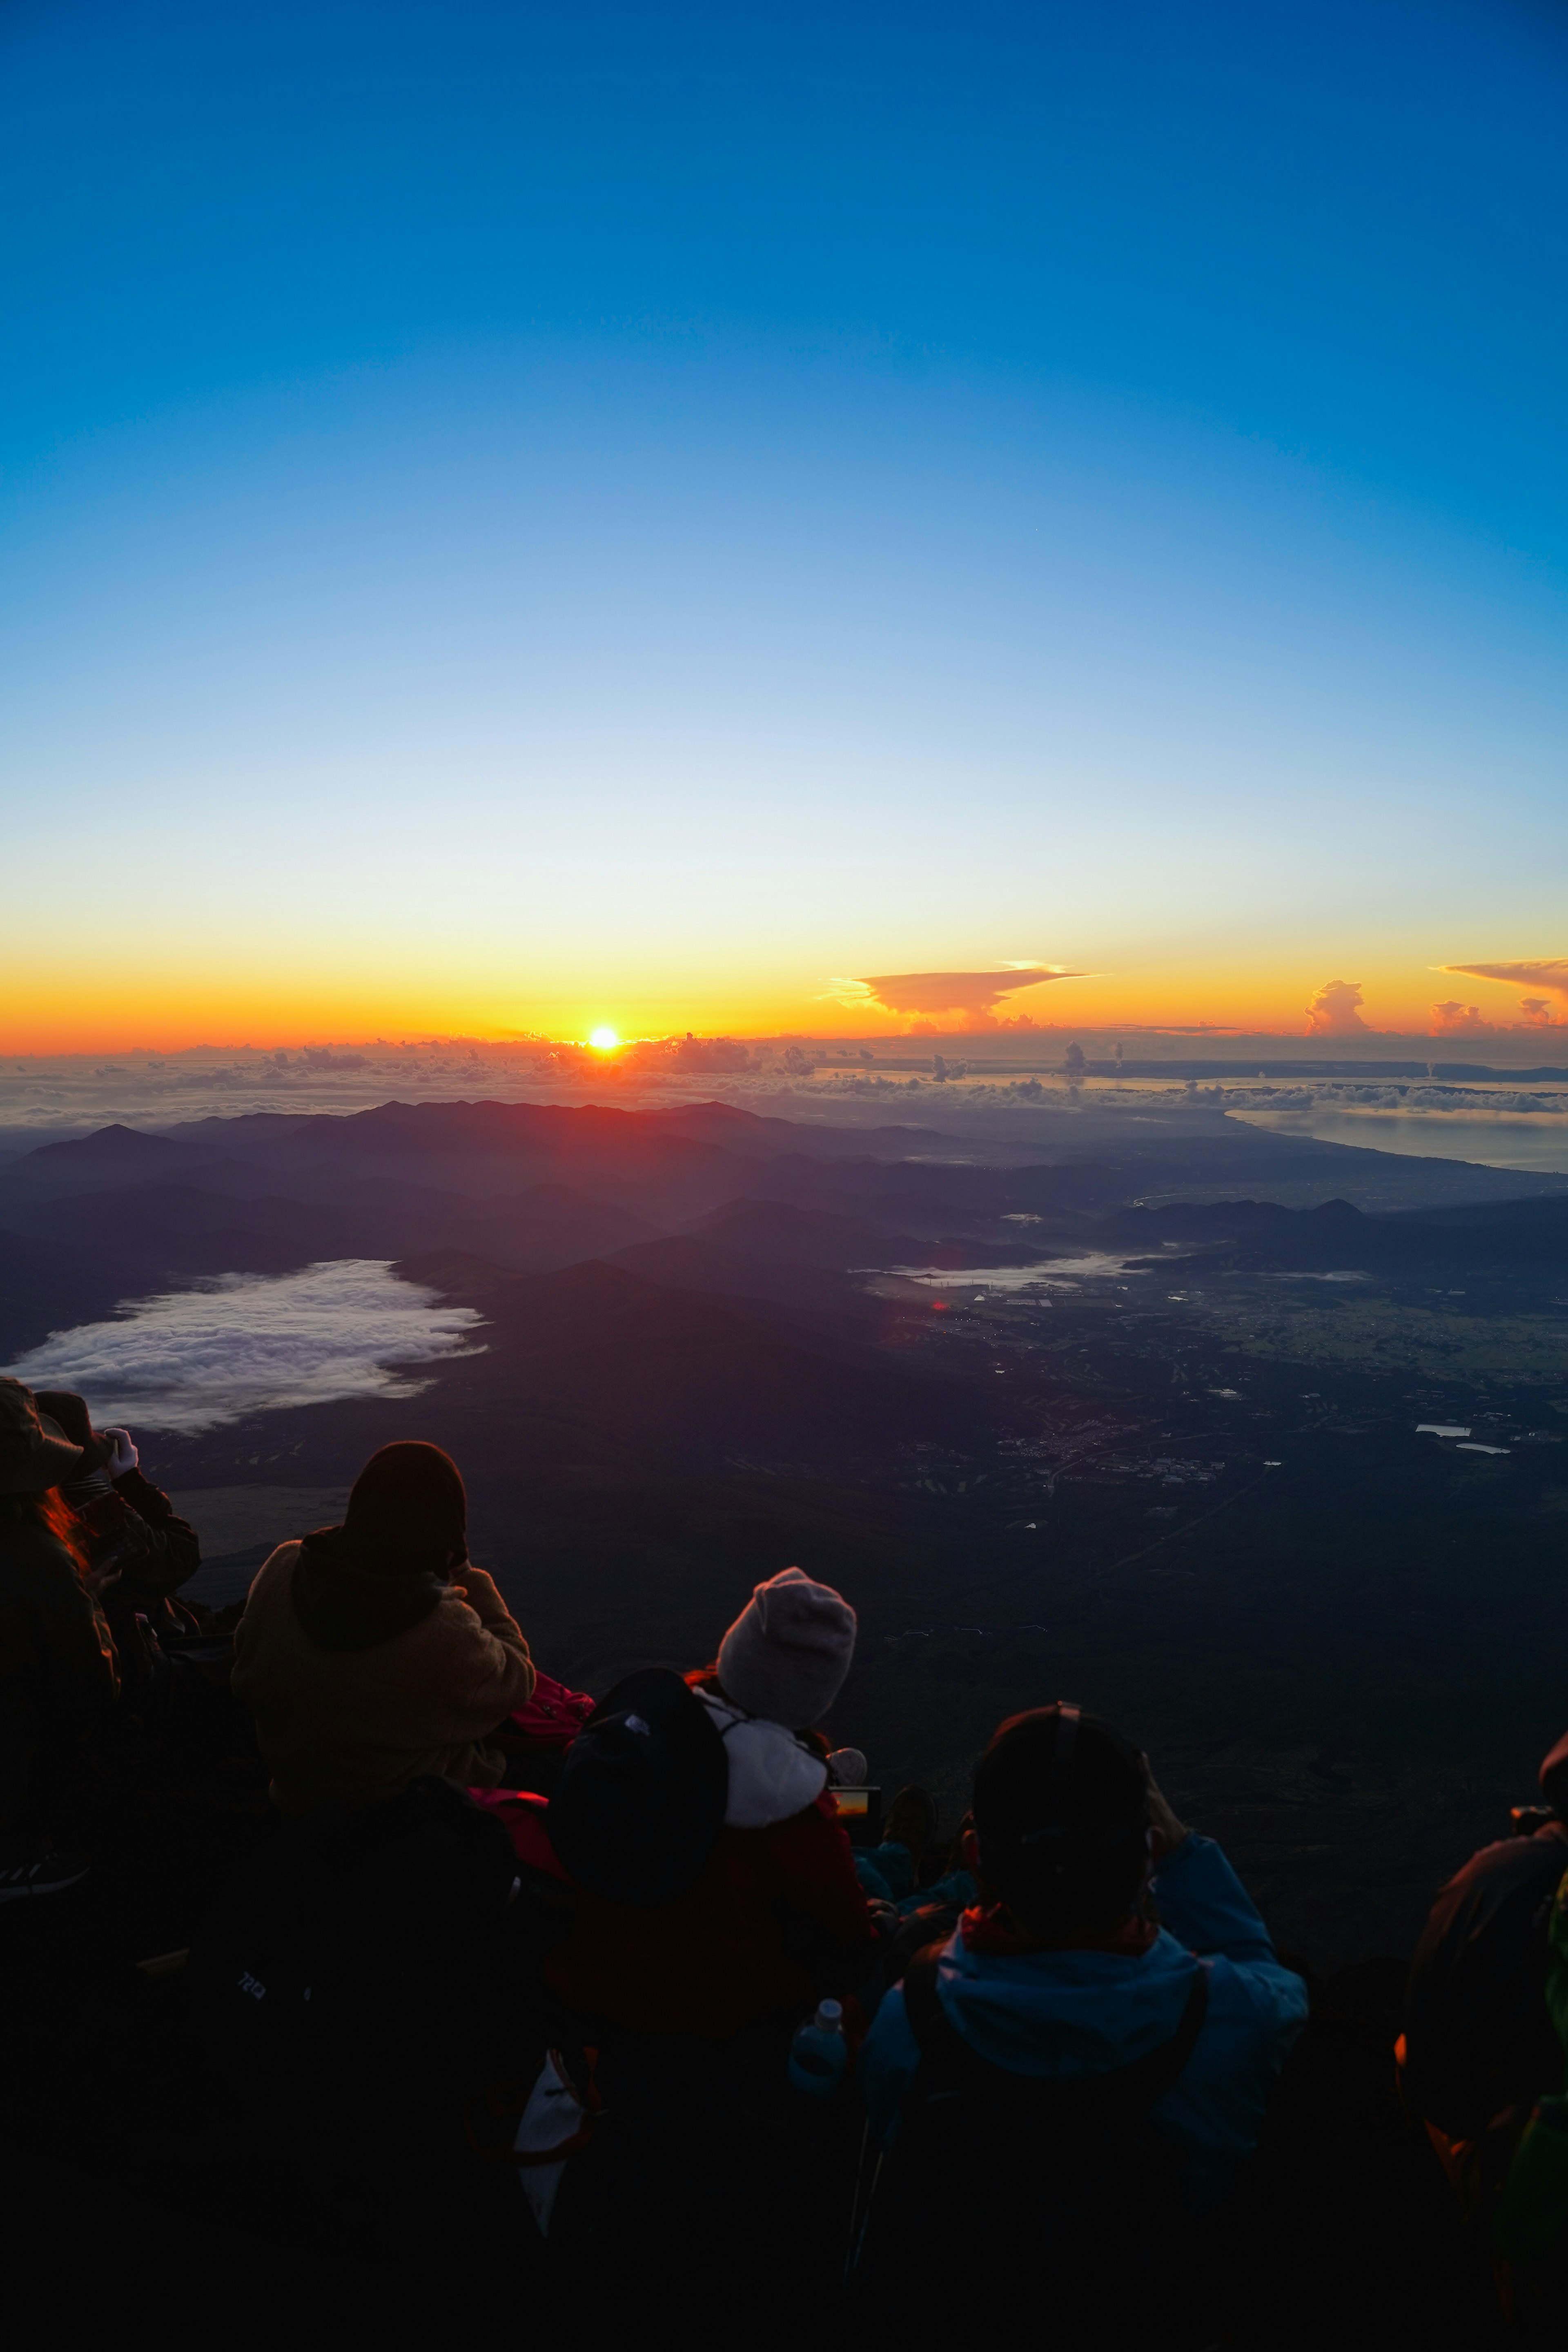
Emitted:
pixel 716 1960
pixel 990 1928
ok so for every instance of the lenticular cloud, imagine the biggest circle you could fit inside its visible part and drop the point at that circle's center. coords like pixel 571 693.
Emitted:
pixel 190 1359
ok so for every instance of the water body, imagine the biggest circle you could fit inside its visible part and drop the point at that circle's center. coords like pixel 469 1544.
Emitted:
pixel 1535 1143
pixel 243 1343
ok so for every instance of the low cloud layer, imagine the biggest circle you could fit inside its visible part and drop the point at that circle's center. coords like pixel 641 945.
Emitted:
pixel 191 1360
pixel 971 998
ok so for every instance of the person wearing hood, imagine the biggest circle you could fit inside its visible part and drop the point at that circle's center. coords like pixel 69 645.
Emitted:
pixel 1066 1970
pixel 59 1674
pixel 375 1650
pixel 777 1915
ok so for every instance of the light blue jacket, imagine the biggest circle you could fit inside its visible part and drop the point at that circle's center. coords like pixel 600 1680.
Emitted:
pixel 1074 2013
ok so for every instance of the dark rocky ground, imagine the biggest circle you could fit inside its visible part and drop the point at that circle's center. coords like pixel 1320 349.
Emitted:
pixel 1346 1665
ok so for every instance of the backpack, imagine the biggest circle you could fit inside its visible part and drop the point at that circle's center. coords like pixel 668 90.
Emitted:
pixel 1060 2191
pixel 640 1800
pixel 359 1916
pixel 351 1988
pixel 1477 2036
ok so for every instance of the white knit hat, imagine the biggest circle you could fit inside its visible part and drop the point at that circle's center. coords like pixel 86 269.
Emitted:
pixel 787 1653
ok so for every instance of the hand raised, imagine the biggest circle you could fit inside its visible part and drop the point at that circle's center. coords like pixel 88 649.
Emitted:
pixel 1165 1831
pixel 124 1456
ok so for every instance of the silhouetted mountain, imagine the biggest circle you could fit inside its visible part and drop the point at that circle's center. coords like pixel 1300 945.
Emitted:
pixel 1203 1504
pixel 108 1160
pixel 675 1375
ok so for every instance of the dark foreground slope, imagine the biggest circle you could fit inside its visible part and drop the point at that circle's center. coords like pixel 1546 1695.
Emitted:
pixel 1182 1481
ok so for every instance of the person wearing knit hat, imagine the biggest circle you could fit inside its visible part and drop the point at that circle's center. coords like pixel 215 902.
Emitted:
pixel 788 1652
pixel 777 1917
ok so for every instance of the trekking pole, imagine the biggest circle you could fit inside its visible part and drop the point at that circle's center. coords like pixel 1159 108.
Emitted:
pixel 864 2195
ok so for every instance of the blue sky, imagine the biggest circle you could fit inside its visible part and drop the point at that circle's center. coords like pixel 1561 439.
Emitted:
pixel 508 511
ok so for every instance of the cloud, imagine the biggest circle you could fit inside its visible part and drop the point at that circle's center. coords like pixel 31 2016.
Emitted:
pixel 1335 1010
pixel 969 997
pixel 1552 973
pixel 191 1360
pixel 1454 1020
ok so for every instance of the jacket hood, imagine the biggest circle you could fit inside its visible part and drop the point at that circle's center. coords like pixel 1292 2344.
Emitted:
pixel 773 1775
pixel 1065 2013
pixel 351 1591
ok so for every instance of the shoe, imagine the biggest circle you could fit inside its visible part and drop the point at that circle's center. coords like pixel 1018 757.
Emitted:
pixel 45 1874
pixel 911 1820
pixel 846 1767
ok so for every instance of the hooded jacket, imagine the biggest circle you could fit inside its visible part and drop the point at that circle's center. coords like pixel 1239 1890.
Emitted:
pixel 1067 2013
pixel 334 1721
pixel 776 1918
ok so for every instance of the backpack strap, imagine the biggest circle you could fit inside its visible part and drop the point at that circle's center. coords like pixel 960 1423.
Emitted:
pixel 922 2004
pixel 1129 2091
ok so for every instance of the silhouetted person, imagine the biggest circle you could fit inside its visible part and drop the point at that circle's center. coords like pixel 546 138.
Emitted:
pixel 688 1984
pixel 1478 2044
pixel 1067 2078
pixel 777 1917
pixel 376 1651
pixel 59 1670
pixel 128 1526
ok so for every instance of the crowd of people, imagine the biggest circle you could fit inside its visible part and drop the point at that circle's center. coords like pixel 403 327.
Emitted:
pixel 699 2022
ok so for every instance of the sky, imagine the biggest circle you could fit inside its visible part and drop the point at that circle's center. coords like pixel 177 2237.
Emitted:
pixel 516 520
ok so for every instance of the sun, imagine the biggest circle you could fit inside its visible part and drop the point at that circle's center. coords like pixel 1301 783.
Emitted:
pixel 604 1041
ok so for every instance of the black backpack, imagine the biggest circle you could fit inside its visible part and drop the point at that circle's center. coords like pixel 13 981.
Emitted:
pixel 356 1920
pixel 351 1989
pixel 1060 2192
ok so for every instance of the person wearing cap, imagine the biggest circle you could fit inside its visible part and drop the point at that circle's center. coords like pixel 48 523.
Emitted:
pixel 375 1650
pixel 776 1917
pixel 128 1522
pixel 1066 1968
pixel 59 1668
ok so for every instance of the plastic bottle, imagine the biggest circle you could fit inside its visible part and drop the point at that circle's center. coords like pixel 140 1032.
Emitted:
pixel 820 2053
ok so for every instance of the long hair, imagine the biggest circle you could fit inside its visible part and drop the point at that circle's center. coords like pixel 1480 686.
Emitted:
pixel 48 1511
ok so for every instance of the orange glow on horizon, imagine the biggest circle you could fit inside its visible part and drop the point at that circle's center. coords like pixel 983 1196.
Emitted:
pixel 86 1005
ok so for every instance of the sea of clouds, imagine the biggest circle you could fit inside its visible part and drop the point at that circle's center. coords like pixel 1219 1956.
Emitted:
pixel 192 1359
pixel 1499 1123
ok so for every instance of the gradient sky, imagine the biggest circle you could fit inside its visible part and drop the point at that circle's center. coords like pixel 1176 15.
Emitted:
pixel 520 517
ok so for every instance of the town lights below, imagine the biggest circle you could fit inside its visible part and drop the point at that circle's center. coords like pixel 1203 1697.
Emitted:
pixel 604 1041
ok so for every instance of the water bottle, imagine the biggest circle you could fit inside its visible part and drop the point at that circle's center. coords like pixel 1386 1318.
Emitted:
pixel 820 2053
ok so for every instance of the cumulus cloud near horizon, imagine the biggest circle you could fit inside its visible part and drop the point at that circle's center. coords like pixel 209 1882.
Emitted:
pixel 1452 1019
pixel 188 1360
pixel 1549 972
pixel 1335 1010
pixel 970 996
